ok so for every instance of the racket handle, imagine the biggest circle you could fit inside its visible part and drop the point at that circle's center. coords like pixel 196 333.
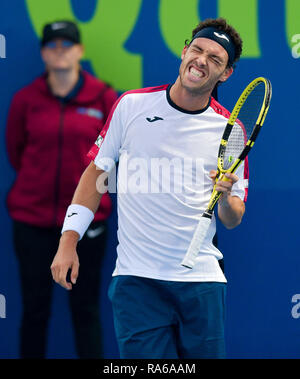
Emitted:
pixel 223 178
pixel 200 233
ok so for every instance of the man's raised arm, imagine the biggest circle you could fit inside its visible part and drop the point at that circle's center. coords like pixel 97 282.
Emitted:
pixel 79 215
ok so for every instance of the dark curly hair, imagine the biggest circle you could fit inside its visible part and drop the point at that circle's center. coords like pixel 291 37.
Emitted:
pixel 221 24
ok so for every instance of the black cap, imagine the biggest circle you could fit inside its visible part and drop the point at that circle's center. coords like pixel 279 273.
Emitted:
pixel 61 29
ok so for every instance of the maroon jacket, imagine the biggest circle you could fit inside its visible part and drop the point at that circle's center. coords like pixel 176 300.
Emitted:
pixel 47 144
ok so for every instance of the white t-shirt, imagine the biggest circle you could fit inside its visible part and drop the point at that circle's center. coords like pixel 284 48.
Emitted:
pixel 165 155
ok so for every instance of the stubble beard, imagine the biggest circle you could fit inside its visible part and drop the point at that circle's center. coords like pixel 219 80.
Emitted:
pixel 195 91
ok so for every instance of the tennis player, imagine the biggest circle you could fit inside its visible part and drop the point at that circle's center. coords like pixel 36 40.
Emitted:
pixel 166 141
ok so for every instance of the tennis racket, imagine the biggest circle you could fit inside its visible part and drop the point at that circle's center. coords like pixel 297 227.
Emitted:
pixel 240 133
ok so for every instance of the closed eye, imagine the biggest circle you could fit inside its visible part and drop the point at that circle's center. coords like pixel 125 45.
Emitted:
pixel 216 59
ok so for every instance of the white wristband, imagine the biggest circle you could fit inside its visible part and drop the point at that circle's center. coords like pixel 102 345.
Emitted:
pixel 78 218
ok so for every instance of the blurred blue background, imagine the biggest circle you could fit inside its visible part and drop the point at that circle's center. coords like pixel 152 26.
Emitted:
pixel 137 43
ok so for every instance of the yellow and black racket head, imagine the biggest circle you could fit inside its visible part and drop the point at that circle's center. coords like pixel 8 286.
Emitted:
pixel 244 124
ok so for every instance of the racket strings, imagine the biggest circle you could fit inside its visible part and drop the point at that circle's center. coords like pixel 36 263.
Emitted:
pixel 244 125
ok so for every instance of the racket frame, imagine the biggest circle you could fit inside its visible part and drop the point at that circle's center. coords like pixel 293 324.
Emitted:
pixel 195 245
pixel 231 121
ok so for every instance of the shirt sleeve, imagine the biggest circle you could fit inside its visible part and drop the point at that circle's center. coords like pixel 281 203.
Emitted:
pixel 16 135
pixel 105 151
pixel 240 188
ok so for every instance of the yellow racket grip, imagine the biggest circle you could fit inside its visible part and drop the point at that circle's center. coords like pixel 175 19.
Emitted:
pixel 216 194
pixel 223 177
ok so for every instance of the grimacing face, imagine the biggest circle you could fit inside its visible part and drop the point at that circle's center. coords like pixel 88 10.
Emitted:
pixel 204 63
pixel 60 57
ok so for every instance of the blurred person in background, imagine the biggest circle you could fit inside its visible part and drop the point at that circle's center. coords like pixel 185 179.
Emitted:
pixel 51 125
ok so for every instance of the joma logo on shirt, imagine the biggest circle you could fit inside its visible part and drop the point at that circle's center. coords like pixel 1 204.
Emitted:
pixel 155 118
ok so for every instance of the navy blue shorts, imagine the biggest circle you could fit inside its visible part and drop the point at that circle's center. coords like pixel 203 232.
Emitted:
pixel 158 319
